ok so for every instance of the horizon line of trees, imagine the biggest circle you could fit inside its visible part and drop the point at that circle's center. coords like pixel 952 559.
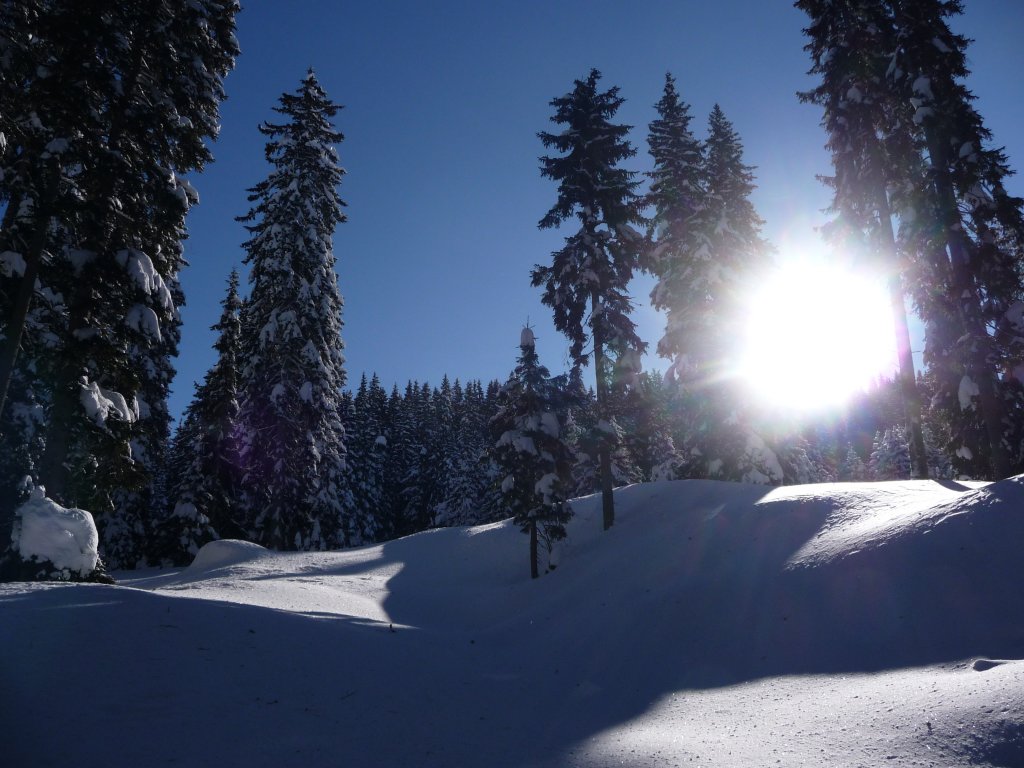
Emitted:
pixel 272 449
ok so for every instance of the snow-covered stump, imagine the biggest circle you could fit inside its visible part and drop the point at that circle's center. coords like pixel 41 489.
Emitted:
pixel 50 542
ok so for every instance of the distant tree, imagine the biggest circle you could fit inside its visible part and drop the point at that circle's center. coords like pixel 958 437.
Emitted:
pixel 204 486
pixel 890 455
pixel 586 284
pixel 530 451
pixel 852 468
pixel 292 438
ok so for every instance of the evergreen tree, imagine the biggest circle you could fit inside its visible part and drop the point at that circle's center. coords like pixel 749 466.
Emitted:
pixel 586 284
pixel 890 455
pixel 204 486
pixel 853 468
pixel 968 230
pixel 908 141
pixel 530 450
pixel 709 249
pixel 292 438
pixel 107 111
pixel 871 155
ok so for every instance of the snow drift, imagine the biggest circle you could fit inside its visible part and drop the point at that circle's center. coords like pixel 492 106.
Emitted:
pixel 46 533
pixel 715 624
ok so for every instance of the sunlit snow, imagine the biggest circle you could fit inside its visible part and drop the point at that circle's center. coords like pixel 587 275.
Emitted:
pixel 716 624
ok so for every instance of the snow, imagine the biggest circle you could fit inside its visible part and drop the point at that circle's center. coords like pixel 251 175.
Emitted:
pixel 716 624
pixel 144 320
pixel 12 264
pixel 967 392
pixel 47 532
pixel 100 404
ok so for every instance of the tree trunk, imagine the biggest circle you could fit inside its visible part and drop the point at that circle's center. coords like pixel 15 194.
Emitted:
pixel 604 451
pixel 979 365
pixel 533 550
pixel 908 380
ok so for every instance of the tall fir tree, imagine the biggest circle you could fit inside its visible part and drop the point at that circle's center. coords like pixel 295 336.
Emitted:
pixel 204 485
pixel 534 461
pixel 908 142
pixel 586 283
pixel 871 156
pixel 109 110
pixel 292 439
pixel 708 251
pixel 968 231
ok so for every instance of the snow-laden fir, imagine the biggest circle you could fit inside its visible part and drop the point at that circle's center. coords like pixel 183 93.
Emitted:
pixel 716 624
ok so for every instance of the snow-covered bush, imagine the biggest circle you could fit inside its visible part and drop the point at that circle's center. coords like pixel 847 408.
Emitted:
pixel 52 542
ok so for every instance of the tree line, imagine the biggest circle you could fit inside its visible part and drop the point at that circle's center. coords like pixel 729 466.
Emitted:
pixel 103 115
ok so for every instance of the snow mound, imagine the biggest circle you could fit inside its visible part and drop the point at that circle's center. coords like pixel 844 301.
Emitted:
pixel 46 532
pixel 223 553
pixel 716 624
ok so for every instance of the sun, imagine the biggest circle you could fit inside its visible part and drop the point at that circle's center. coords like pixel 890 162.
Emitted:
pixel 815 334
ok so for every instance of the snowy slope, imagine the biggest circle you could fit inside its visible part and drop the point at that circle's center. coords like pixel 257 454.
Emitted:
pixel 716 624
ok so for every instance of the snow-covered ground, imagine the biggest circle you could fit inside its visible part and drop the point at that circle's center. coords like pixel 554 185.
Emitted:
pixel 715 625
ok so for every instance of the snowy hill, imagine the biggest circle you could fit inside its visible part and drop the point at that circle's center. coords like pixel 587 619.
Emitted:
pixel 716 624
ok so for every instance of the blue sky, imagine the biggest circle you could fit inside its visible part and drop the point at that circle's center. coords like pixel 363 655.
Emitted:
pixel 443 101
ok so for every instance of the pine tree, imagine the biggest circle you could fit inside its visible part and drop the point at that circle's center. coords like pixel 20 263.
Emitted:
pixel 890 455
pixel 871 155
pixel 968 231
pixel 290 416
pixel 204 490
pixel 908 142
pixel 680 208
pixel 853 468
pixel 709 248
pixel 586 284
pixel 108 110
pixel 529 448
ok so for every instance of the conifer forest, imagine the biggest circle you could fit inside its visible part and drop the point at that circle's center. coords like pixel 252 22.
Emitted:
pixel 106 116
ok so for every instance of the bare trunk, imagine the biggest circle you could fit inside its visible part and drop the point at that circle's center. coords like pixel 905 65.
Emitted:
pixel 534 572
pixel 604 452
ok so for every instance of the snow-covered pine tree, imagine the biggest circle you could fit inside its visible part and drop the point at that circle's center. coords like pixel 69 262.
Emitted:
pixel 367 445
pixel 396 465
pixel 534 460
pixel 968 232
pixel 112 109
pixel 890 455
pixel 292 439
pixel 678 197
pixel 852 468
pixel 204 486
pixel 708 250
pixel 871 154
pixel 586 284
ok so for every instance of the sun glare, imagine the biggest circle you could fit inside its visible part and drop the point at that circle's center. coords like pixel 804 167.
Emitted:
pixel 815 335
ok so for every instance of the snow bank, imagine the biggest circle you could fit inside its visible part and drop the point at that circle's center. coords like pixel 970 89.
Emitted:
pixel 222 553
pixel 46 532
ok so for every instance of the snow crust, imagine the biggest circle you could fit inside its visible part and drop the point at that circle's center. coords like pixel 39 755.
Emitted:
pixel 47 532
pixel 716 624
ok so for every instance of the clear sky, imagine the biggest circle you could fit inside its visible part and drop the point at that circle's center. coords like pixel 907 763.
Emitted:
pixel 443 101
